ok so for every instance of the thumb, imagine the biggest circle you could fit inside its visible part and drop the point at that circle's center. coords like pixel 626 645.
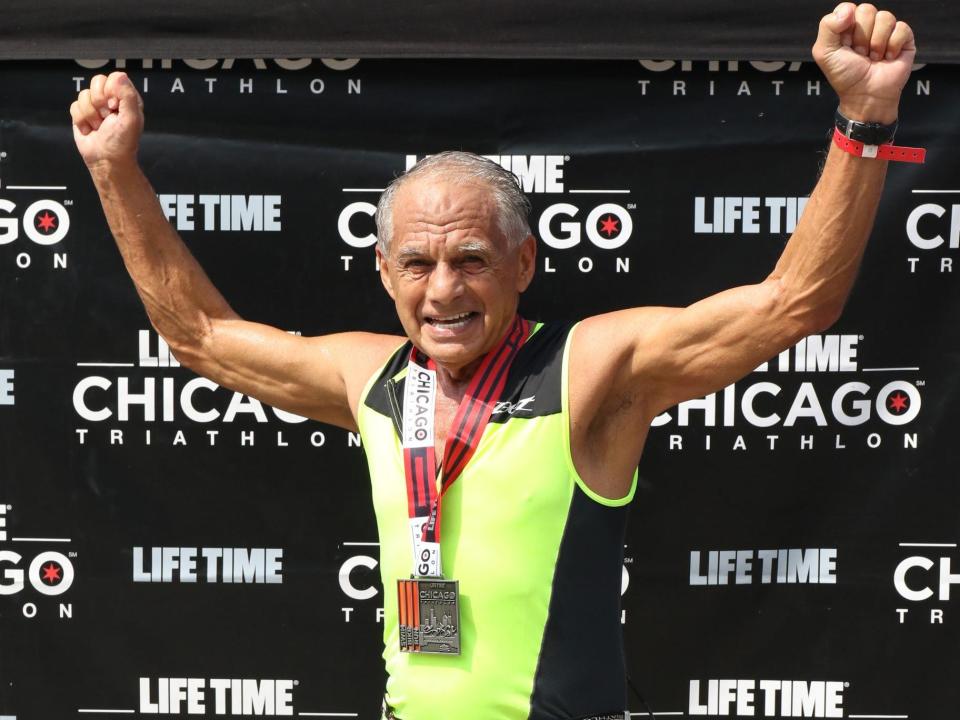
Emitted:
pixel 834 26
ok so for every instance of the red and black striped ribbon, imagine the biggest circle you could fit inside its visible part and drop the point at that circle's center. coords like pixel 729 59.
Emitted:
pixel 467 428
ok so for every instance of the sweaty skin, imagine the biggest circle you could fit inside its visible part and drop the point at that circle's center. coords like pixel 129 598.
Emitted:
pixel 456 281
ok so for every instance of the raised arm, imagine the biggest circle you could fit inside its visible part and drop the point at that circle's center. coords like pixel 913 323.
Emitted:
pixel 653 358
pixel 318 377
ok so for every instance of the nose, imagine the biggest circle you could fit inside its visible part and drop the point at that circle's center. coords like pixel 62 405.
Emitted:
pixel 445 284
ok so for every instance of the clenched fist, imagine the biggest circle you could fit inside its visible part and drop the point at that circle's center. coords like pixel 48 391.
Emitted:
pixel 108 120
pixel 866 55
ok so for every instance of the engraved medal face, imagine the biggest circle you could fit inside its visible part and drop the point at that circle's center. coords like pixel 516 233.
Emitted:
pixel 429 616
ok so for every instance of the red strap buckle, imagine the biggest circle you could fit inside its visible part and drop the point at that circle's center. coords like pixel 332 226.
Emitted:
pixel 887 151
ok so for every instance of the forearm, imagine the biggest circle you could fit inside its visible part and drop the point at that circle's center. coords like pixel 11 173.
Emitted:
pixel 178 296
pixel 866 56
pixel 819 264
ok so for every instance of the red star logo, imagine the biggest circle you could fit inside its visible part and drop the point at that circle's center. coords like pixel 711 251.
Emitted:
pixel 898 402
pixel 609 225
pixel 51 573
pixel 47 222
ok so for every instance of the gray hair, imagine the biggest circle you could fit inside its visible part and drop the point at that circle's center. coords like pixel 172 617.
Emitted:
pixel 513 207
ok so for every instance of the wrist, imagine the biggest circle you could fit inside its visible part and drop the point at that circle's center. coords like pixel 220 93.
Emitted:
pixel 107 170
pixel 869 133
pixel 884 112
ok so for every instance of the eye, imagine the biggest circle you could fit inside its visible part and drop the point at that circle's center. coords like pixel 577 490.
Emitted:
pixel 473 262
pixel 415 264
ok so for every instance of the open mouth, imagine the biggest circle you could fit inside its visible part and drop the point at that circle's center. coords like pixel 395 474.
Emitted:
pixel 452 322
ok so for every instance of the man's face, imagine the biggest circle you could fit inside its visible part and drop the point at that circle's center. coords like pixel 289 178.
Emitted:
pixel 451 272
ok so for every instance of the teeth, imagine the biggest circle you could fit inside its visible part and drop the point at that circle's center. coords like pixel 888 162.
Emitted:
pixel 452 319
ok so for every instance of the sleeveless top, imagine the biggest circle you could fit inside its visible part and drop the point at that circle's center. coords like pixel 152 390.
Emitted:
pixel 538 555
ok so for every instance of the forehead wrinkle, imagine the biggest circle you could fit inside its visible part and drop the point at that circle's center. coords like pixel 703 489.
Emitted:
pixel 432 211
pixel 455 233
pixel 445 198
pixel 461 221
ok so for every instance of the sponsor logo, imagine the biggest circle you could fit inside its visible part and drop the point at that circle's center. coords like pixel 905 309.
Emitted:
pixel 359 579
pixel 748 567
pixel 746 215
pixel 767 698
pixel 735 79
pixel 224 696
pixel 32 217
pixel 535 173
pixel 924 577
pixel 153 401
pixel 257 64
pixel 594 228
pixel 933 230
pixel 524 405
pixel 207 564
pixel 777 406
pixel 257 77
pixel 223 213
pixel 418 407
pixel 6 386
pixel 29 566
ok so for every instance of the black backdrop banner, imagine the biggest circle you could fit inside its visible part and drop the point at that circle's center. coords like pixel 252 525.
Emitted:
pixel 168 547
pixel 604 29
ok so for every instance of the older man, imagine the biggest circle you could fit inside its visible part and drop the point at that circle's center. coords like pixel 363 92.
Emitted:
pixel 518 441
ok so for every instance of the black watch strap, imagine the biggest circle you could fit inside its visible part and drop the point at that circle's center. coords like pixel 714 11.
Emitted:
pixel 867 133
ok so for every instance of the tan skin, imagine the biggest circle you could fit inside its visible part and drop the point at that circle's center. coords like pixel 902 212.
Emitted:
pixel 448 257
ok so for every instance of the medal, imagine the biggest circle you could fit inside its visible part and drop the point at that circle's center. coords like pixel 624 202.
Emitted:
pixel 429 616
pixel 428 603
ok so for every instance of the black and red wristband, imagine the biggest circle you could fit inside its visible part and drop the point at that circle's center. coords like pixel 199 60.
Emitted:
pixel 872 140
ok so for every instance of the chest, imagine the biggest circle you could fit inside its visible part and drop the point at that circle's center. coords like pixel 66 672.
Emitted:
pixel 444 414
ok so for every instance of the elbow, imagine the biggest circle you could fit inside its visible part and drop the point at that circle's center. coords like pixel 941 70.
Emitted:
pixel 813 320
pixel 188 356
pixel 819 313
pixel 823 317
pixel 805 313
pixel 190 349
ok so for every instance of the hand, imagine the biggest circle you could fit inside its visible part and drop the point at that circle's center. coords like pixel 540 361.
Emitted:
pixel 867 56
pixel 108 120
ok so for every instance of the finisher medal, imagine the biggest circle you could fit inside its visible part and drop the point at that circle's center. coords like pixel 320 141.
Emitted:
pixel 429 604
pixel 429 616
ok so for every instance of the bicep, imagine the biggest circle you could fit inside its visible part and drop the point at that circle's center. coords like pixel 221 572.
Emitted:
pixel 675 354
pixel 316 377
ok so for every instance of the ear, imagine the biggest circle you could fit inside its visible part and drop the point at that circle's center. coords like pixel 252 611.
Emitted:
pixel 527 257
pixel 385 274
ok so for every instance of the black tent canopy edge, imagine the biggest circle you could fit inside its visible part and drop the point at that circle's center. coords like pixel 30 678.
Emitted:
pixel 535 29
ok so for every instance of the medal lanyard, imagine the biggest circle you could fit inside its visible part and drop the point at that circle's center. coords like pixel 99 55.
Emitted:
pixel 419 456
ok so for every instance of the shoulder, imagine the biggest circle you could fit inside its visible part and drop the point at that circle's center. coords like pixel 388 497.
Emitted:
pixel 361 355
pixel 610 355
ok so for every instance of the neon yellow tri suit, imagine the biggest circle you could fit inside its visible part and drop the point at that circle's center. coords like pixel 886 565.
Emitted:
pixel 537 554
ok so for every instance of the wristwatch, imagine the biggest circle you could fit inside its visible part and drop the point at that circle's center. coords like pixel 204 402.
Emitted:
pixel 872 140
pixel 869 133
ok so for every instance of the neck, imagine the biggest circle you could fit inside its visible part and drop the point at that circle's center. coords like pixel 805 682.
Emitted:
pixel 454 379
